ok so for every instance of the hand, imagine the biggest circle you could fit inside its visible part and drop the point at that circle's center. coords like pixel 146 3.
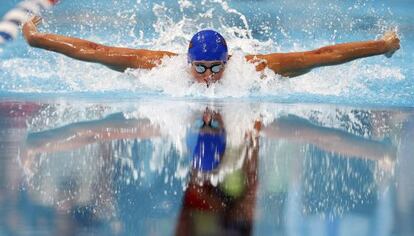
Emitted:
pixel 30 28
pixel 392 42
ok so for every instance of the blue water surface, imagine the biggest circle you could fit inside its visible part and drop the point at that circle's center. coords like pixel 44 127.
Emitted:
pixel 123 168
pixel 88 151
pixel 291 27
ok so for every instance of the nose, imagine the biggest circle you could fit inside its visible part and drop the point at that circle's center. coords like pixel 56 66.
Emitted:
pixel 208 73
pixel 208 77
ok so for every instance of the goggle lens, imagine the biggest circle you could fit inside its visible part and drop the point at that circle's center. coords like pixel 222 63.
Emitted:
pixel 216 68
pixel 201 69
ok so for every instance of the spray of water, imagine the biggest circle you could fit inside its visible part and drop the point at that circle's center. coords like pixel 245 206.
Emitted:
pixel 169 26
pixel 167 155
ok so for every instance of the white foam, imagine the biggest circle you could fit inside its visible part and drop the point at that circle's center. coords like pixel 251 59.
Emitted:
pixel 30 5
pixel 176 118
pixel 9 28
pixel 48 72
pixel 17 14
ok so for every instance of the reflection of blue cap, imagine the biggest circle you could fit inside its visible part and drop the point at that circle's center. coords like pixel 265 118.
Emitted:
pixel 207 45
pixel 208 150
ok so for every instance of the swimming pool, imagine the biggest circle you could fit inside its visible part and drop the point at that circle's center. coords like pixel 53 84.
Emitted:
pixel 280 26
pixel 85 150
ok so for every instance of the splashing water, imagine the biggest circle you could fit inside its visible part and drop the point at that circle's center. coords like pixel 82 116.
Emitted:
pixel 169 26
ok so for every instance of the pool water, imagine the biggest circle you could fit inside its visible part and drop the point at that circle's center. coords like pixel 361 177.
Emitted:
pixel 128 168
pixel 248 27
pixel 85 150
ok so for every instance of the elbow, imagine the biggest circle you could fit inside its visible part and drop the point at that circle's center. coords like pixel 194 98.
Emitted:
pixel 326 56
pixel 324 50
pixel 328 51
pixel 34 40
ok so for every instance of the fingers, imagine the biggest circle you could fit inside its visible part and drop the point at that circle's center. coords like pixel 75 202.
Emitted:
pixel 389 35
pixel 36 20
pixel 398 43
pixel 392 42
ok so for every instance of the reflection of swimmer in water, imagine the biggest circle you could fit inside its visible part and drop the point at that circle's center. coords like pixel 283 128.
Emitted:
pixel 207 142
pixel 211 207
pixel 208 54
pixel 225 207
pixel 212 130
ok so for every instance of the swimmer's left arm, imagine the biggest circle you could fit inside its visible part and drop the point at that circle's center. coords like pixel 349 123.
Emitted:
pixel 297 63
pixel 296 129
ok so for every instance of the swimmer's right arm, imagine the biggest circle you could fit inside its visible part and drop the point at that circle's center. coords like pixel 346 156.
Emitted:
pixel 115 58
pixel 80 134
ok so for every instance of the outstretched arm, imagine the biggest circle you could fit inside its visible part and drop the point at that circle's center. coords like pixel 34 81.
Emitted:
pixel 113 57
pixel 80 134
pixel 333 140
pixel 297 63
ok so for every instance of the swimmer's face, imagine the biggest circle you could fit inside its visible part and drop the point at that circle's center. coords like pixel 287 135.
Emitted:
pixel 212 122
pixel 207 72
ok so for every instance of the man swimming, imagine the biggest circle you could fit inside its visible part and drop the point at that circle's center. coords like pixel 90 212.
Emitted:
pixel 208 53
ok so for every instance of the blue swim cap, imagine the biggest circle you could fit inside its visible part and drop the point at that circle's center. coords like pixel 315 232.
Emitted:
pixel 206 149
pixel 207 45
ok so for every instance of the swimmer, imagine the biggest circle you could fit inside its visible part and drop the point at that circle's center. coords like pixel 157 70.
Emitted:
pixel 208 54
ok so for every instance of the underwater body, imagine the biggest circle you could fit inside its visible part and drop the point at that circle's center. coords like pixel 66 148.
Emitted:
pixel 86 150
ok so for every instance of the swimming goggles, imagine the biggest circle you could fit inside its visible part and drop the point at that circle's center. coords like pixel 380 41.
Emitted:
pixel 215 68
pixel 199 124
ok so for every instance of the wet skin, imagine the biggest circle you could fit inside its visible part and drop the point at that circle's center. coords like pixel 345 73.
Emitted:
pixel 289 64
pixel 208 77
